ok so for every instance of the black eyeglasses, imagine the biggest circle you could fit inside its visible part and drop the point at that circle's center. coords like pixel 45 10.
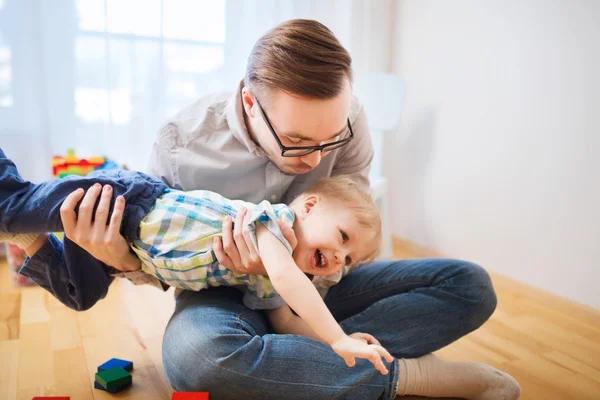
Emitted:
pixel 298 151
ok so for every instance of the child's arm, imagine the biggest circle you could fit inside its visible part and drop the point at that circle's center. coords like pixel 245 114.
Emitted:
pixel 301 295
pixel 284 321
pixel 295 287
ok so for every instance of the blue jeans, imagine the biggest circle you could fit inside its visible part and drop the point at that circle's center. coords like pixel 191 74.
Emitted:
pixel 413 307
pixel 66 270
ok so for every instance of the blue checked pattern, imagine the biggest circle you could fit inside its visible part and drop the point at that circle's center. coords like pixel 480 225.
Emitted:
pixel 175 240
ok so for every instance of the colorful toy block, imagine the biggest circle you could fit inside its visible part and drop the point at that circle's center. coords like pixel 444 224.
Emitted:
pixel 113 390
pixel 71 165
pixel 116 362
pixel 190 396
pixel 113 378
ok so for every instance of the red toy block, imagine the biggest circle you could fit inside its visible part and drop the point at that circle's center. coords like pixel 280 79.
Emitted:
pixel 52 398
pixel 190 396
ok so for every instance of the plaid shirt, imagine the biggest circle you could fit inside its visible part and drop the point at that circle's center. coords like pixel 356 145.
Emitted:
pixel 175 243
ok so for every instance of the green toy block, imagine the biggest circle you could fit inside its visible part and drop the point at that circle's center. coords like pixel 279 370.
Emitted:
pixel 113 378
pixel 73 170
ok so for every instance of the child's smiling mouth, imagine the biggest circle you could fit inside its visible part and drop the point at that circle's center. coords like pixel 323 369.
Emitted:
pixel 318 260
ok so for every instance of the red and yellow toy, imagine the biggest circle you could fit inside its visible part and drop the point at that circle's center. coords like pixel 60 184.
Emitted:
pixel 71 165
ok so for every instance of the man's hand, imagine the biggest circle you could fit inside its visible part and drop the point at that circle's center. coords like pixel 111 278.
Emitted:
pixel 236 251
pixel 348 348
pixel 103 242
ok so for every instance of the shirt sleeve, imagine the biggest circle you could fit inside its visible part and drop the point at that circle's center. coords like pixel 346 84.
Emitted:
pixel 162 161
pixel 265 214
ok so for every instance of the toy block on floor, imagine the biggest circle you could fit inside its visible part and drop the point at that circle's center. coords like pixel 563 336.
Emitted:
pixel 190 396
pixel 51 398
pixel 116 362
pixel 113 390
pixel 113 378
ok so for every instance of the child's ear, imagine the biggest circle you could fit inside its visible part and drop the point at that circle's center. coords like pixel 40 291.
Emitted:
pixel 308 205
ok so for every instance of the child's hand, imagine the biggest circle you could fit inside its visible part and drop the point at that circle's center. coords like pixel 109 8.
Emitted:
pixel 348 348
pixel 365 337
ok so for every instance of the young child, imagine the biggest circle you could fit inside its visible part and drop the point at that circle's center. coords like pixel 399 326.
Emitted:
pixel 172 231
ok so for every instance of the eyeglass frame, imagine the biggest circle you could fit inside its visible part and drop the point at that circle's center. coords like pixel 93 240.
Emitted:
pixel 321 147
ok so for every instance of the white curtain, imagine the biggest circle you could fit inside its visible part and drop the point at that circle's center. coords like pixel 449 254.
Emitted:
pixel 100 76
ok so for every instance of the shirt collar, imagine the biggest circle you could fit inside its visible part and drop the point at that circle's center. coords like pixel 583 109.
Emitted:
pixel 234 112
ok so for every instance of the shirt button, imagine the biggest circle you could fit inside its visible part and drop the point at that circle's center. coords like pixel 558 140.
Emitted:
pixel 273 197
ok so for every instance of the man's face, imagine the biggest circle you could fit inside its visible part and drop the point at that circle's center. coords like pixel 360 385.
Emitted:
pixel 297 122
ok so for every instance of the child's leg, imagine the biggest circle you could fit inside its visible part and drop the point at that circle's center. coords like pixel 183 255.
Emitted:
pixel 69 273
pixel 35 208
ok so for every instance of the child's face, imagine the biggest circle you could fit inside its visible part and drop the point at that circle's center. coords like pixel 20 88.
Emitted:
pixel 329 236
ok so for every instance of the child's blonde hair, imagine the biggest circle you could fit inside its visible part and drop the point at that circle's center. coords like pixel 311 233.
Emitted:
pixel 344 190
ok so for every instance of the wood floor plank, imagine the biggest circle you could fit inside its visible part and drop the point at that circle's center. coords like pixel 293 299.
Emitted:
pixel 572 364
pixel 508 349
pixel 543 311
pixel 71 374
pixel 581 312
pixel 10 311
pixel 64 329
pixel 581 387
pixel 36 367
pixel 33 306
pixel 9 362
pixel 154 347
pixel 555 337
pixel 547 380
pixel 141 301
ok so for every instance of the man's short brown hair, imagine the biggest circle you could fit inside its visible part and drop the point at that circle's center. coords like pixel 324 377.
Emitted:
pixel 301 57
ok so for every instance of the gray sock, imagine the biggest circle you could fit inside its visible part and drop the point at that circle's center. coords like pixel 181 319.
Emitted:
pixel 432 377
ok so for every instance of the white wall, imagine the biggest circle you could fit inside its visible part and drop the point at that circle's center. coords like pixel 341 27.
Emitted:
pixel 497 159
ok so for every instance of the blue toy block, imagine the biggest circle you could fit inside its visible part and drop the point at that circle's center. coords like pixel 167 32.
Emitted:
pixel 116 362
pixel 113 390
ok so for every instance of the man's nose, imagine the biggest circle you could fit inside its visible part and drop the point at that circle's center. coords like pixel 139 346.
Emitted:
pixel 313 159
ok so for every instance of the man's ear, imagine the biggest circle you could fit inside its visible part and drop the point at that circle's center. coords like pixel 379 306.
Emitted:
pixel 248 101
pixel 308 205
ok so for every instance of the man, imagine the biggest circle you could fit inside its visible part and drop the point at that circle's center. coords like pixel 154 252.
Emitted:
pixel 292 120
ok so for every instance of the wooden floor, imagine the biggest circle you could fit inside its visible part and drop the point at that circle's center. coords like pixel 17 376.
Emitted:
pixel 550 345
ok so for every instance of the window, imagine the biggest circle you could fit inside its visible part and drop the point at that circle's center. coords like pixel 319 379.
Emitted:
pixel 6 99
pixel 163 59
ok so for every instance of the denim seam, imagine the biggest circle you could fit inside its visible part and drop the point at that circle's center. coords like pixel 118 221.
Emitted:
pixel 396 379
